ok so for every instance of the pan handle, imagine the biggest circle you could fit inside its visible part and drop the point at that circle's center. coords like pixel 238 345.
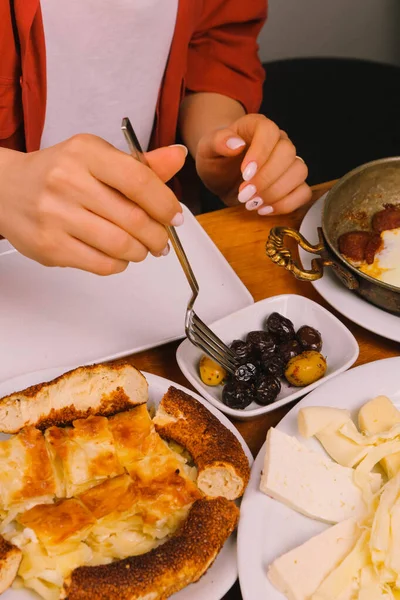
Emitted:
pixel 281 255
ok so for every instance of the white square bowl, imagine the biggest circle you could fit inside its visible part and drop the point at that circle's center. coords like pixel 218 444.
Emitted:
pixel 339 347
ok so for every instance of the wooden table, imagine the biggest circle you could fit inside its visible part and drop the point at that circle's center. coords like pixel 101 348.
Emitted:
pixel 241 237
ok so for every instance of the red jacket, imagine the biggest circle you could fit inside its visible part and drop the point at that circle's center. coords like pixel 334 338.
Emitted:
pixel 214 50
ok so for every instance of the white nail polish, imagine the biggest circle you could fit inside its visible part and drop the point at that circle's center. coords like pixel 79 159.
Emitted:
pixel 180 146
pixel 246 193
pixel 235 142
pixel 265 210
pixel 250 171
pixel 166 250
pixel 254 203
pixel 177 220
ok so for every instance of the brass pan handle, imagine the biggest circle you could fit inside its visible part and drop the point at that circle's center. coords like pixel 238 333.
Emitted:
pixel 279 254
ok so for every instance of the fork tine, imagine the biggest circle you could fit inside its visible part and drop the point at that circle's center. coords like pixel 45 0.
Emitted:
pixel 212 336
pixel 214 347
pixel 211 353
pixel 220 357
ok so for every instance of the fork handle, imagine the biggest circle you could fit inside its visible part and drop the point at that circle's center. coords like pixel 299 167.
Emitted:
pixel 137 153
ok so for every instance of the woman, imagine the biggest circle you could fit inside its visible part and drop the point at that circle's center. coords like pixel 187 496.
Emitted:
pixel 176 67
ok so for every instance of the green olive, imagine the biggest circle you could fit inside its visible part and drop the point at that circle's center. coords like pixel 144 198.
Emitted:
pixel 211 373
pixel 305 368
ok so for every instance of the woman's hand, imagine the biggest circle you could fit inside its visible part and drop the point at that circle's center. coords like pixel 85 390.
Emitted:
pixel 85 204
pixel 253 162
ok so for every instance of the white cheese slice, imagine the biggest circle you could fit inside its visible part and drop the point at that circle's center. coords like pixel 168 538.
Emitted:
pixel 300 572
pixel 341 580
pixel 309 482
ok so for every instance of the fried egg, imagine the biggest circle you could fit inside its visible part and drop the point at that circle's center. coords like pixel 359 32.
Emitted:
pixel 386 265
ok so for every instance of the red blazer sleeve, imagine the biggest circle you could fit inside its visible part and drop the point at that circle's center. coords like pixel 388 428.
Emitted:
pixel 223 52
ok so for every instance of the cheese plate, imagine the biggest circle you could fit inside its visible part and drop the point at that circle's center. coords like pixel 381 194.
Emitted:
pixel 268 528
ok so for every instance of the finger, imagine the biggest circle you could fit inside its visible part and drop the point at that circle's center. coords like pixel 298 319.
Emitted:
pixel 167 161
pixel 109 239
pixel 294 200
pixel 223 142
pixel 262 135
pixel 286 183
pixel 131 178
pixel 113 207
pixel 73 253
pixel 283 156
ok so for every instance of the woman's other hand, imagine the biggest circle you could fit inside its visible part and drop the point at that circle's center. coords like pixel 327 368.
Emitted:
pixel 252 161
pixel 85 204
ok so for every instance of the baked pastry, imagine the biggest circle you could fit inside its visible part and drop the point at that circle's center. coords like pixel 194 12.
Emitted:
pixel 223 469
pixel 93 390
pixel 167 569
pixel 142 505
pixel 10 559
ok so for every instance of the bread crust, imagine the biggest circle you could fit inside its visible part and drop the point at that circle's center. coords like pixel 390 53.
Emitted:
pixel 10 559
pixel 118 387
pixel 165 570
pixel 186 421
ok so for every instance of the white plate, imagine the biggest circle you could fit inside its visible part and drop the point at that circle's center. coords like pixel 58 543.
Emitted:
pixel 53 317
pixel 223 573
pixel 267 528
pixel 339 346
pixel 343 300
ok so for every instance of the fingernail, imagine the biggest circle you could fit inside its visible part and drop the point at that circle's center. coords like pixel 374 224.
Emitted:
pixel 180 146
pixel 246 193
pixel 265 210
pixel 250 171
pixel 166 250
pixel 177 220
pixel 235 142
pixel 254 203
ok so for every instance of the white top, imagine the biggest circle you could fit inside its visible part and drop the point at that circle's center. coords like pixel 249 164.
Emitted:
pixel 105 61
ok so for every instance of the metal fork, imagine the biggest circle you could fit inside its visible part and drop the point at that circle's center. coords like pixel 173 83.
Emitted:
pixel 197 332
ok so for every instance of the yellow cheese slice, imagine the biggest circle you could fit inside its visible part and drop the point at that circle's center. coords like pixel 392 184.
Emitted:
pixel 375 455
pixel 371 587
pixel 380 414
pixel 342 449
pixel 377 415
pixel 313 419
pixel 370 440
pixel 392 559
pixel 324 423
pixel 381 525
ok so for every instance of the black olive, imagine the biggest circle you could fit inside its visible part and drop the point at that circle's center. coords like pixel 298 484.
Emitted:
pixel 267 390
pixel 246 372
pixel 288 350
pixel 237 394
pixel 280 327
pixel 261 341
pixel 241 349
pixel 309 338
pixel 272 365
